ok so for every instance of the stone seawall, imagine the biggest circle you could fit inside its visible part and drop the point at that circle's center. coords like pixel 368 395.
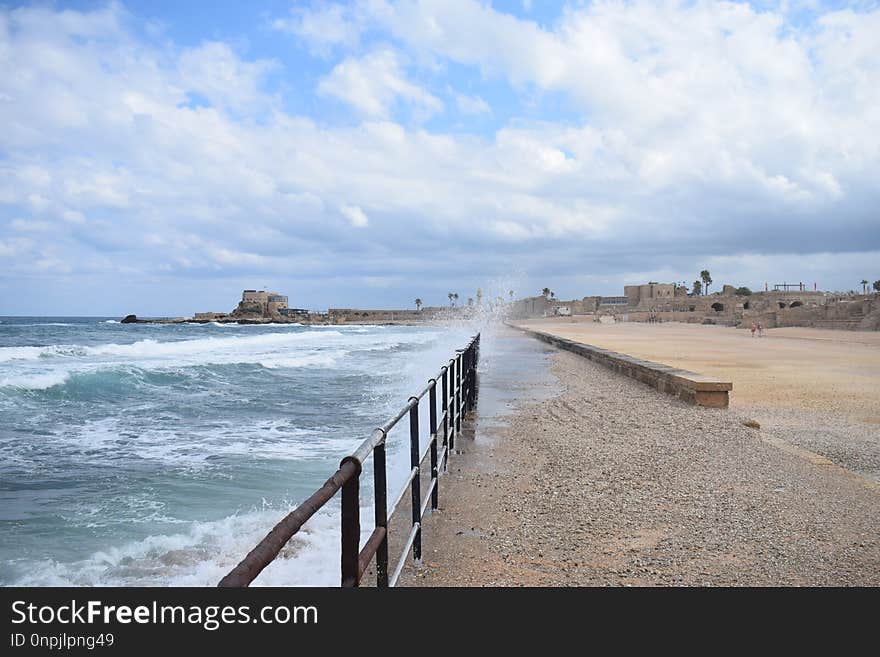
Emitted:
pixel 688 386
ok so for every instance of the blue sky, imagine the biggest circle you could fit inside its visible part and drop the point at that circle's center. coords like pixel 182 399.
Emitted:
pixel 158 157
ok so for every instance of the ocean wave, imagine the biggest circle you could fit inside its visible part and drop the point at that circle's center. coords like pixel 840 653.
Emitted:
pixel 8 354
pixel 199 446
pixel 20 353
pixel 203 554
pixel 47 324
pixel 111 378
pixel 326 359
pixel 167 442
pixel 152 347
pixel 259 348
pixel 229 346
pixel 35 381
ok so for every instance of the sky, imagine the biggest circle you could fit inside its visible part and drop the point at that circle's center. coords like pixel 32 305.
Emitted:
pixel 159 157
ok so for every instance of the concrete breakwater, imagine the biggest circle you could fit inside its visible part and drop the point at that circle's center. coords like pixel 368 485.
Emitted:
pixel 688 386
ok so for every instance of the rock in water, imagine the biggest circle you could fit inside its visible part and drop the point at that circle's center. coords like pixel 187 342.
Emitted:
pixel 129 319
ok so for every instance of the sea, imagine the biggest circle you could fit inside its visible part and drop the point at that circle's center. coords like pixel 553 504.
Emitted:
pixel 160 454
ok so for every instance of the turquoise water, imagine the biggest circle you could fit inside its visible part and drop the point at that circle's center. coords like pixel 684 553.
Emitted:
pixel 160 454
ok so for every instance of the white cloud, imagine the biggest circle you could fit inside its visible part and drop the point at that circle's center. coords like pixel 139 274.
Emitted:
pixel 73 216
pixel 214 71
pixel 355 216
pixel 373 84
pixel 322 28
pixel 694 92
pixel 30 226
pixel 472 104
pixel 701 128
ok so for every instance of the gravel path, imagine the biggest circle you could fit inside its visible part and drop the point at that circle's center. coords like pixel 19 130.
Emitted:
pixel 613 483
pixel 851 444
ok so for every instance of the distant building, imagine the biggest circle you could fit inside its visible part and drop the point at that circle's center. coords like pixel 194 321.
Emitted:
pixel 299 313
pixel 261 303
pixel 636 294
pixel 276 303
pixel 255 296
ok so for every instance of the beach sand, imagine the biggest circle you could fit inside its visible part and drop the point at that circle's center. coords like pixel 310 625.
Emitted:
pixel 596 479
pixel 814 388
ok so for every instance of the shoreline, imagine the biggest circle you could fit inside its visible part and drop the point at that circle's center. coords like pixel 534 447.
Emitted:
pixel 271 322
pixel 610 482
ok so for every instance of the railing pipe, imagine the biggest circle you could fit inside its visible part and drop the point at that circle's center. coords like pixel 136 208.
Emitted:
pixel 267 549
pixel 452 403
pixel 458 366
pixel 444 376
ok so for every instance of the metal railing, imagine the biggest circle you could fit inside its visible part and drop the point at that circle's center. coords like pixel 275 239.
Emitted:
pixel 458 387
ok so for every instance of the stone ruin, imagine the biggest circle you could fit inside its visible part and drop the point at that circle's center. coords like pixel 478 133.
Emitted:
pixel 665 303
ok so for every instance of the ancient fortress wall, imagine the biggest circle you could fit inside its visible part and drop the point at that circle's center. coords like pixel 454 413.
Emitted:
pixel 645 303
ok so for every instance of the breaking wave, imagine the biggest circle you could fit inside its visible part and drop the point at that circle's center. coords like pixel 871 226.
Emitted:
pixel 200 555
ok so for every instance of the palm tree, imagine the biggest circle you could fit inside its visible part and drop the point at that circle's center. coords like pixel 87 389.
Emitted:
pixel 455 296
pixel 698 288
pixel 451 296
pixel 418 304
pixel 707 280
pixel 546 291
pixel 510 293
pixel 864 286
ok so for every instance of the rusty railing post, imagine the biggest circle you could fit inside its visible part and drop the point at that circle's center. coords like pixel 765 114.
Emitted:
pixel 451 397
pixel 476 365
pixel 472 371
pixel 381 513
pixel 467 380
pixel 444 374
pixel 351 527
pixel 432 431
pixel 458 384
pixel 416 486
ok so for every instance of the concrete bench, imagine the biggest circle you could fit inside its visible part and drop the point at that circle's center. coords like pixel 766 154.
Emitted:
pixel 688 386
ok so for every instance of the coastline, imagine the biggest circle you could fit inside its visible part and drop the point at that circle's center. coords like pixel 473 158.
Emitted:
pixel 270 322
pixel 610 482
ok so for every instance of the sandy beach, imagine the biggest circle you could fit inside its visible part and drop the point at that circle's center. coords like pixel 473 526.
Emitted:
pixel 810 387
pixel 596 479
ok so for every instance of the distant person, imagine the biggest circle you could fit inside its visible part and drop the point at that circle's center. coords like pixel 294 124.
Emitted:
pixel 760 330
pixel 754 328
